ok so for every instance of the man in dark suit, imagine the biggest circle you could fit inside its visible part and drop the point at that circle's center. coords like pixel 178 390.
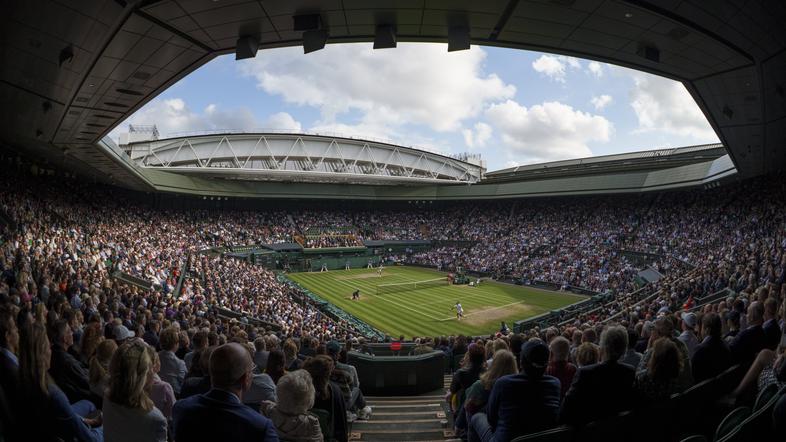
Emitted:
pixel 747 344
pixel 521 403
pixel 220 414
pixel 772 330
pixel 603 389
pixel 67 372
pixel 712 355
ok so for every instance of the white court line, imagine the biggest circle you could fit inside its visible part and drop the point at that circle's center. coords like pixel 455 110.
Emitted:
pixel 481 311
pixel 396 303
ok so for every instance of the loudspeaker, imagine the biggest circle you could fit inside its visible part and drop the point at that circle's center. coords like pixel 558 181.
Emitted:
pixel 458 38
pixel 385 37
pixel 246 47
pixel 314 40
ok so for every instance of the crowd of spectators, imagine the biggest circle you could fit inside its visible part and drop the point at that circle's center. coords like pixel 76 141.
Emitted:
pixel 86 356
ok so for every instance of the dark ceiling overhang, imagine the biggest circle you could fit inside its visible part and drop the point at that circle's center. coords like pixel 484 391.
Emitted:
pixel 72 71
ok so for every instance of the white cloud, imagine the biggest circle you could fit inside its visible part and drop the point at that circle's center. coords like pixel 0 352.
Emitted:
pixel 665 105
pixel 283 121
pixel 173 115
pixel 415 84
pixel 548 131
pixel 479 137
pixel 555 66
pixel 595 69
pixel 602 101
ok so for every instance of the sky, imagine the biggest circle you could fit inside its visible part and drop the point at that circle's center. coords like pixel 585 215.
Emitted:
pixel 512 107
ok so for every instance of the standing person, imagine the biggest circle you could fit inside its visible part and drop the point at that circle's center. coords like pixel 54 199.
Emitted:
pixel 379 269
pixel 220 414
pixel 346 265
pixel 370 264
pixel 129 413
pixel 44 412
pixel 459 310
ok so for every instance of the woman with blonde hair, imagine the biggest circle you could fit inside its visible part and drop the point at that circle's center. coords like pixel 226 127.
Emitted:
pixel 44 412
pixel 295 392
pixel 92 335
pixel 160 392
pixel 478 393
pixel 129 413
pixel 99 366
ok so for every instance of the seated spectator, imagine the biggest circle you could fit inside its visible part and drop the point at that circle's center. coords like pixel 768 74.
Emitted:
pixel 661 379
pixel 587 354
pixel 632 357
pixel 473 366
pixel 292 362
pixel 345 377
pixel 664 328
pixel 92 336
pixel 559 367
pixel 769 367
pixel 151 334
pixel 198 381
pixel 747 344
pixel 260 354
pixel 200 343
pixel 328 402
pixel 129 413
pixel 478 393
pixel 275 365
pixel 67 372
pixel 173 369
pixel 521 403
pixel 772 330
pixel 220 414
pixel 603 389
pixel 161 393
pixel 293 422
pixel 9 367
pixel 712 356
pixel 688 335
pixel 732 325
pixel 262 387
pixel 99 366
pixel 44 412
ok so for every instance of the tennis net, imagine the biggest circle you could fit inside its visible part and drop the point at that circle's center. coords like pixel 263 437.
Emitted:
pixel 383 289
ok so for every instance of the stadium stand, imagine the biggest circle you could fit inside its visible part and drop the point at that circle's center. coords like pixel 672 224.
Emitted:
pixel 145 298
pixel 67 245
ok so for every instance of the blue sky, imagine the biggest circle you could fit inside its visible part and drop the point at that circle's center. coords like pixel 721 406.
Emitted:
pixel 510 106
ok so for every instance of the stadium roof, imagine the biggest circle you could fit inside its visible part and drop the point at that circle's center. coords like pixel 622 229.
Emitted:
pixel 302 157
pixel 626 162
pixel 71 71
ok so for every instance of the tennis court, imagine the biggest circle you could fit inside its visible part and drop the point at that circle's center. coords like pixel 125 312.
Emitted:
pixel 423 304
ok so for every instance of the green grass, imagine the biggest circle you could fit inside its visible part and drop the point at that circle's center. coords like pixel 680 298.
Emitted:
pixel 429 311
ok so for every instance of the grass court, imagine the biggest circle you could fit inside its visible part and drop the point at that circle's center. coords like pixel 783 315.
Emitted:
pixel 429 311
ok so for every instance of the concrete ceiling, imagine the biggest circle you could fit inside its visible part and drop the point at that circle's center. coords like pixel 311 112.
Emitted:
pixel 71 71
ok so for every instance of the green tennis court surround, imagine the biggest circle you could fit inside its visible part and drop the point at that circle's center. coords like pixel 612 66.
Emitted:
pixel 427 310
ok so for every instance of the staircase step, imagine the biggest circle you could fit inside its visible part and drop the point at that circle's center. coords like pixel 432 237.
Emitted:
pixel 375 403
pixel 386 406
pixel 394 413
pixel 396 398
pixel 400 435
